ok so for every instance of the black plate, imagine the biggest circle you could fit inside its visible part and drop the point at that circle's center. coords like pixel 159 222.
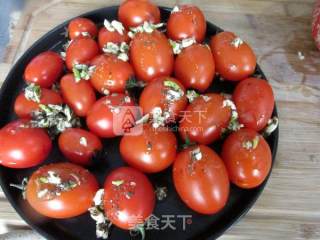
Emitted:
pixel 82 227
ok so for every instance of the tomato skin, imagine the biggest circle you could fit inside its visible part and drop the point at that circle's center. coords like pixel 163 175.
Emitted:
pixel 153 95
pixel 123 210
pixel 151 150
pixel 188 22
pixel 151 55
pixel 201 67
pixel 81 25
pixel 233 63
pixel 23 147
pixel 247 168
pixel 204 120
pixel 106 36
pixel 80 96
pixel 203 185
pixel 71 147
pixel 316 24
pixel 254 100
pixel 24 107
pixel 133 13
pixel 100 117
pixel 44 69
pixel 80 51
pixel 111 74
pixel 70 203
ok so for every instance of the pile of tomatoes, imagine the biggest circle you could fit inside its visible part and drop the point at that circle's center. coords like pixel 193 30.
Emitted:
pixel 173 68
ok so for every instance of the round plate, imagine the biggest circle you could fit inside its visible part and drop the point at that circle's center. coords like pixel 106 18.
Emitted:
pixel 171 211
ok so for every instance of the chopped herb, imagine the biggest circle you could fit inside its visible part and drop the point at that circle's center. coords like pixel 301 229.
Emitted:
pixel 251 144
pixel 145 27
pixel 237 42
pixel 161 193
pixel 82 71
pixel 114 25
pixel 178 46
pixel 33 93
pixel 196 154
pixel 117 182
pixel 273 124
pixel 21 186
pixel 192 95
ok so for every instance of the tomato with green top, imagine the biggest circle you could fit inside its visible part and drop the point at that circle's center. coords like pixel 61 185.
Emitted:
pixel 248 158
pixel 105 36
pixel 61 190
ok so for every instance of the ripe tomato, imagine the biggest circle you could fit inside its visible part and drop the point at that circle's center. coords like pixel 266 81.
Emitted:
pixel 234 58
pixel 129 197
pixel 205 118
pixel 149 149
pixel 80 51
pixel 247 157
pixel 316 24
pixel 100 119
pixel 133 13
pixel 151 55
pixel 24 107
pixel 201 179
pixel 61 190
pixel 187 22
pixel 79 145
pixel 80 96
pixel 111 75
pixel 159 94
pixel 44 69
pixel 79 26
pixel 106 36
pixel 201 68
pixel 101 58
pixel 22 146
pixel 255 102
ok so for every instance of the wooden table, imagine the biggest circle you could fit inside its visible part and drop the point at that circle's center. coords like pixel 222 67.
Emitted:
pixel 289 208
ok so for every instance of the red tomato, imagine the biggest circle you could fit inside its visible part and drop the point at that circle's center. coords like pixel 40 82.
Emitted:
pixel 106 36
pixel 100 119
pixel 24 107
pixel 205 118
pixel 129 197
pixel 79 145
pixel 111 75
pixel 22 146
pixel 80 25
pixel 201 179
pixel 316 24
pixel 234 59
pixel 156 94
pixel 80 96
pixel 254 100
pixel 133 13
pixel 188 22
pixel 151 55
pixel 201 68
pixel 61 190
pixel 148 149
pixel 80 51
pixel 101 58
pixel 44 69
pixel 247 157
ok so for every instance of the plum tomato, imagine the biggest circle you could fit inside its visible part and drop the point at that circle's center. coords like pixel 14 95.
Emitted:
pixel 79 145
pixel 105 36
pixel 44 69
pixel 201 179
pixel 254 100
pixel 129 198
pixel 247 157
pixel 234 58
pixel 61 190
pixel 81 27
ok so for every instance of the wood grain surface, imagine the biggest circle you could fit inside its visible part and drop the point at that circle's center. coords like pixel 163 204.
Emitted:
pixel 277 30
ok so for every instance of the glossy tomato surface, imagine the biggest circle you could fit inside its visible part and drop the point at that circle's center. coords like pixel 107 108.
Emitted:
pixel 149 149
pixel 129 197
pixel 234 58
pixel 22 146
pixel 80 96
pixel 79 146
pixel 151 55
pixel 44 69
pixel 247 165
pixel 106 36
pixel 82 26
pixel 133 13
pixel 255 102
pixel 51 200
pixel 201 179
pixel 187 22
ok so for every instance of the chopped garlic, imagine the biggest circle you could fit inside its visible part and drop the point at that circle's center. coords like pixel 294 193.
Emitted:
pixel 237 42
pixel 83 141
pixel 114 25
pixel 196 154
